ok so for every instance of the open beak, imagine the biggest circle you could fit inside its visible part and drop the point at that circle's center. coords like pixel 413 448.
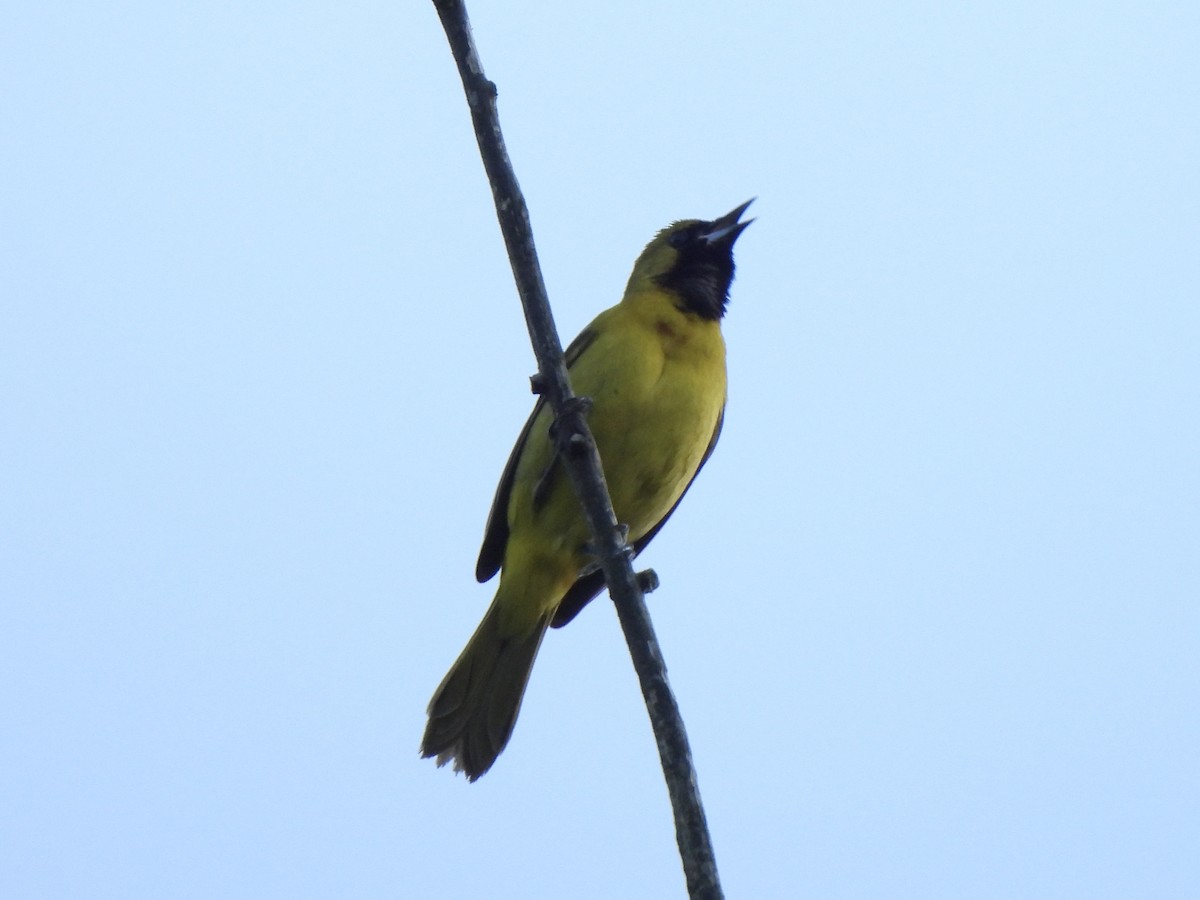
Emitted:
pixel 727 228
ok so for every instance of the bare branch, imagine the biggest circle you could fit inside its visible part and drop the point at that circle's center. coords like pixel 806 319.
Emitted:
pixel 578 450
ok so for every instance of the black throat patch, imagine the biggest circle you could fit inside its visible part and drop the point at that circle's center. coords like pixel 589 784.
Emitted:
pixel 701 277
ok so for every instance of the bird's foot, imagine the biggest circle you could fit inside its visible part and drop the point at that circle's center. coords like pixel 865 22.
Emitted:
pixel 567 430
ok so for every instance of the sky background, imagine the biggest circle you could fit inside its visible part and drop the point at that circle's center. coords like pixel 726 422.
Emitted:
pixel 932 612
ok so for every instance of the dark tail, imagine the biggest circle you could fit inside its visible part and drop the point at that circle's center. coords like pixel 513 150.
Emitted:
pixel 474 709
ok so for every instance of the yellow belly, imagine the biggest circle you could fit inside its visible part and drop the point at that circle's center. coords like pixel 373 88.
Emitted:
pixel 657 394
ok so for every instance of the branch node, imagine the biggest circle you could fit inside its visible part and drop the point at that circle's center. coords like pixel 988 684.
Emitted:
pixel 647 580
pixel 537 383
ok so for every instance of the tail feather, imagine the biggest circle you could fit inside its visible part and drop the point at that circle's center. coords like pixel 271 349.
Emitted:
pixel 474 709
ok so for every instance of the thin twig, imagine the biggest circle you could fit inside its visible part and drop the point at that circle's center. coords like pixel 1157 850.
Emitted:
pixel 583 463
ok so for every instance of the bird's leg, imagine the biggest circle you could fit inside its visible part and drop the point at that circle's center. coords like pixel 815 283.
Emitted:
pixel 590 549
pixel 567 429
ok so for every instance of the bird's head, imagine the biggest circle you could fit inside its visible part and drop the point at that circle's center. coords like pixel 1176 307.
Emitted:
pixel 692 260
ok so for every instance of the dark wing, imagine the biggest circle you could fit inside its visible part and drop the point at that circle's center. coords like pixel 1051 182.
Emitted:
pixel 495 534
pixel 588 586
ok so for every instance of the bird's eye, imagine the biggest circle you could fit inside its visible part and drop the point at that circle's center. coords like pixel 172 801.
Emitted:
pixel 678 239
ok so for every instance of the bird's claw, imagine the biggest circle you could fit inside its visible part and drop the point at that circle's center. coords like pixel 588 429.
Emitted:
pixel 566 430
pixel 591 550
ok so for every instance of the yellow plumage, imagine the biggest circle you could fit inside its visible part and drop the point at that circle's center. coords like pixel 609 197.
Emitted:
pixel 654 368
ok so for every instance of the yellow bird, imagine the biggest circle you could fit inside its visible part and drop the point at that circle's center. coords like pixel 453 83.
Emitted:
pixel 654 367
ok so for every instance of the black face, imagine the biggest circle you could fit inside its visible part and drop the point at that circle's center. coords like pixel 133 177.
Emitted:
pixel 704 270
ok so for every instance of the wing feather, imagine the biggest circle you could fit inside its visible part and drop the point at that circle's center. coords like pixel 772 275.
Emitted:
pixel 495 533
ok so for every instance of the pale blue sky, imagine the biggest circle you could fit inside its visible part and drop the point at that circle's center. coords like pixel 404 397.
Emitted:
pixel 932 613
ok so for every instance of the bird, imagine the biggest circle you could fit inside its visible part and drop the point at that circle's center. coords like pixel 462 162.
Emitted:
pixel 653 367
